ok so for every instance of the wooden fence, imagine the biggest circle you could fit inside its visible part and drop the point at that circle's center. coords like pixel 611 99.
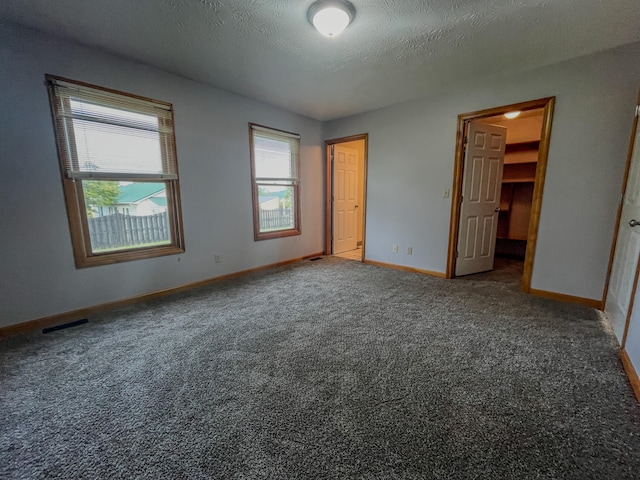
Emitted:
pixel 119 230
pixel 276 219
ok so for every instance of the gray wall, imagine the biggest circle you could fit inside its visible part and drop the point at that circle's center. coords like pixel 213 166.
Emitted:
pixel 37 272
pixel 411 154
pixel 411 150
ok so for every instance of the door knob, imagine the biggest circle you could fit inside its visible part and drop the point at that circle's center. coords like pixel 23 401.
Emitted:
pixel 633 223
pixel 497 209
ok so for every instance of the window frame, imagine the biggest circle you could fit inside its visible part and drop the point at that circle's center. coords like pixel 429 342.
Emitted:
pixel 294 182
pixel 74 192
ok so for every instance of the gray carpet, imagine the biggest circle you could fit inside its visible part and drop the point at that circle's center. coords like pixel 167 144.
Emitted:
pixel 329 369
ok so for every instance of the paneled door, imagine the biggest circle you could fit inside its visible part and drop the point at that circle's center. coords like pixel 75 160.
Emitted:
pixel 345 198
pixel 627 250
pixel 481 187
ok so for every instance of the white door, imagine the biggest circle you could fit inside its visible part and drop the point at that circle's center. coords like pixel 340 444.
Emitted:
pixel 345 199
pixel 632 341
pixel 481 187
pixel 627 248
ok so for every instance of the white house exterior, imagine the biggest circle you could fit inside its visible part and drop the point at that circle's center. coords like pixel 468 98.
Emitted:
pixel 138 199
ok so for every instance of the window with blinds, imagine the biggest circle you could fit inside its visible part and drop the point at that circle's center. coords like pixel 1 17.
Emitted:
pixel 119 170
pixel 275 176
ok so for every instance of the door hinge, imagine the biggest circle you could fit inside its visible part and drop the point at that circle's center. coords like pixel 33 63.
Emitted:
pixel 466 140
pixel 621 199
pixel 457 254
pixel 637 110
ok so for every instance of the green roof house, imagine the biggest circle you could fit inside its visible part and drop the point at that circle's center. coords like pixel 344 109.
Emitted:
pixel 139 199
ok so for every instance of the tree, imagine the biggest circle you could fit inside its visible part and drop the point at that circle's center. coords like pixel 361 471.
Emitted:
pixel 287 199
pixel 99 194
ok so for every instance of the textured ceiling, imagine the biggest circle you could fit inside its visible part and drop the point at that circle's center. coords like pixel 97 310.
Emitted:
pixel 394 50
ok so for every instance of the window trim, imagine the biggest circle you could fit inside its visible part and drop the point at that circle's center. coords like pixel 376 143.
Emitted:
pixel 295 183
pixel 74 195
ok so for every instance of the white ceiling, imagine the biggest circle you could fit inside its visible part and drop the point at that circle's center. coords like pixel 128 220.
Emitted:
pixel 394 50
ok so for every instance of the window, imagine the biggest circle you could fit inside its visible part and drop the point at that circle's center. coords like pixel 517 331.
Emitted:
pixel 276 184
pixel 118 159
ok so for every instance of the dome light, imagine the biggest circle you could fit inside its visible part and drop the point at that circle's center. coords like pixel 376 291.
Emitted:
pixel 511 115
pixel 331 17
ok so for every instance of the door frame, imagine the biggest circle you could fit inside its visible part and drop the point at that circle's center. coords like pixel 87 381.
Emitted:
pixel 328 239
pixel 623 191
pixel 541 169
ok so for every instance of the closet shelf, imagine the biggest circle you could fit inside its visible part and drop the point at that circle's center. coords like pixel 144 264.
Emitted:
pixel 522 146
pixel 524 156
pixel 519 172
pixel 518 180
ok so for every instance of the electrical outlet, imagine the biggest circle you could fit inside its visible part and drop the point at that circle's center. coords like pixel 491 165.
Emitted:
pixel 394 248
pixel 217 258
pixel 409 250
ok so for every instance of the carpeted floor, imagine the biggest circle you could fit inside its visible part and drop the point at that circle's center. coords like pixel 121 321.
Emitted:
pixel 327 369
pixel 505 270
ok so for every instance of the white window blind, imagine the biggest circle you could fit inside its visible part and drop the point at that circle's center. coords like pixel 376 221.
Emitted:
pixel 104 135
pixel 275 156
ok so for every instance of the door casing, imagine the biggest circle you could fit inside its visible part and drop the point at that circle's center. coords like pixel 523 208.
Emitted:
pixel 543 151
pixel 328 243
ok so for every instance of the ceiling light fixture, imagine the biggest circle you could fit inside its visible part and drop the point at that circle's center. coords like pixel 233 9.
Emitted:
pixel 511 115
pixel 331 17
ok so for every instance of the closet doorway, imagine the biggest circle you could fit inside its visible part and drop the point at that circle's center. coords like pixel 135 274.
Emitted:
pixel 346 196
pixel 521 185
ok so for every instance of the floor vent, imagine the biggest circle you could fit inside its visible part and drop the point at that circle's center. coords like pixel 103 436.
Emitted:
pixel 65 325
